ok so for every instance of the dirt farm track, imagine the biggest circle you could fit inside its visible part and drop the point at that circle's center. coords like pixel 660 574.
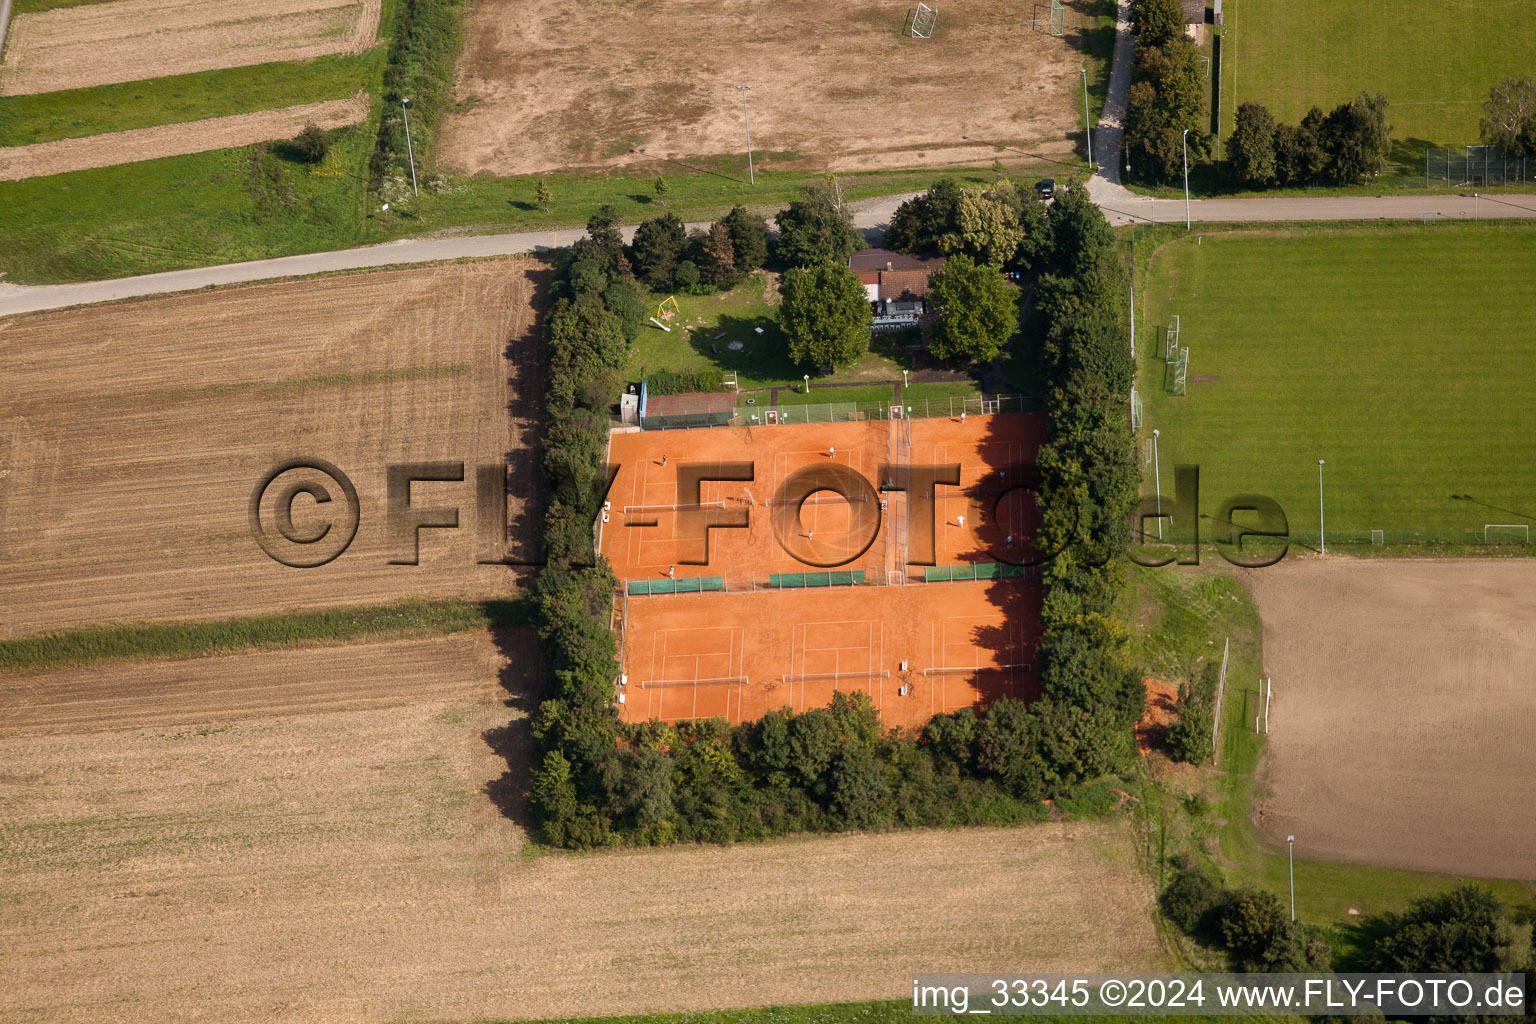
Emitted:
pixel 133 434
pixel 548 84
pixel 1403 712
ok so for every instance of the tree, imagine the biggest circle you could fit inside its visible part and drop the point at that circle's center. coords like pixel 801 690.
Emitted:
pixel 1511 120
pixel 1167 96
pixel 977 311
pixel 542 194
pixel 1004 749
pixel 1357 137
pixel 660 187
pixel 1259 934
pixel 312 143
pixel 749 239
pixel 1463 930
pixel 603 232
pixel 816 227
pixel 1252 146
pixel 658 245
pixel 860 791
pixel 1156 22
pixel 718 257
pixel 554 797
pixel 638 781
pixel 926 223
pixel 825 314
pixel 1189 899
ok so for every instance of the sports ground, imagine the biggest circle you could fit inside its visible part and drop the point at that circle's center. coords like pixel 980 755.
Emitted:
pixel 800 599
pixel 1399 355
pixel 1435 62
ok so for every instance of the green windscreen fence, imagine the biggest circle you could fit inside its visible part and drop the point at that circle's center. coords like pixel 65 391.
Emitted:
pixel 687 585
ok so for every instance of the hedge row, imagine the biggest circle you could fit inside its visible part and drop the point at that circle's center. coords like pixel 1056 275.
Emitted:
pixel 601 782
pixel 683 382
pixel 420 68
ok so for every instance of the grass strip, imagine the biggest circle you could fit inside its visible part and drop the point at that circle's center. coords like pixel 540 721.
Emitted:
pixel 153 642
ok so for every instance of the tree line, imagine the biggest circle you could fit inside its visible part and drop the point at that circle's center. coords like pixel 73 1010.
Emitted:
pixel 600 781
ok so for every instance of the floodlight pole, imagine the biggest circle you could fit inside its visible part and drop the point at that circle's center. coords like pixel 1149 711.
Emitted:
pixel 807 383
pixel 751 173
pixel 1322 541
pixel 1087 126
pixel 1291 842
pixel 1185 140
pixel 409 151
pixel 1157 482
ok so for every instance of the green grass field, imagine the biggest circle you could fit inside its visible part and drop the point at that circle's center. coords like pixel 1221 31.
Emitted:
pixel 1434 61
pixel 74 113
pixel 1400 355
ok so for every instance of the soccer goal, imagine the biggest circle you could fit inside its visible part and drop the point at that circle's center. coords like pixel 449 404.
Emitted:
pixel 1058 18
pixel 1136 411
pixel 1506 533
pixel 920 23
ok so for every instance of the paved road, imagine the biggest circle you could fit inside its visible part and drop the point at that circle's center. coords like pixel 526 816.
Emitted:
pixel 1120 206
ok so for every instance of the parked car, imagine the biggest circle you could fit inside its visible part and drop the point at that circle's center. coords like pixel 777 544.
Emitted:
pixel 1046 188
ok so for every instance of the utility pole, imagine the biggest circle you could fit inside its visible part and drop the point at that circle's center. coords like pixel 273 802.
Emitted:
pixel 1185 140
pixel 751 174
pixel 1087 127
pixel 1291 842
pixel 409 151
pixel 1157 482
pixel 1322 540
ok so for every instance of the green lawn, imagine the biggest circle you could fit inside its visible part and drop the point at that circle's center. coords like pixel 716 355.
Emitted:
pixel 1400 355
pixel 1434 61
pixel 74 113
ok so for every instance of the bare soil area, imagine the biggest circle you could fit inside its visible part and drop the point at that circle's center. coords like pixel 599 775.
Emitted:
pixel 1400 732
pixel 547 84
pixel 44 158
pixel 133 435
pixel 132 40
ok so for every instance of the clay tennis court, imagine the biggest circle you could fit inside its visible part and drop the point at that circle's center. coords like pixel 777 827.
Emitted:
pixel 774 591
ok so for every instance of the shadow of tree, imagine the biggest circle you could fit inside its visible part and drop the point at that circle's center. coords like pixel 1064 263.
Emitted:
pixel 521 679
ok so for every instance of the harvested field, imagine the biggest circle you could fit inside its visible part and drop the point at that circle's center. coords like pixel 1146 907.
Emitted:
pixel 197 691
pixel 44 158
pixel 133 435
pixel 1400 732
pixel 546 84
pixel 133 40
pixel 346 867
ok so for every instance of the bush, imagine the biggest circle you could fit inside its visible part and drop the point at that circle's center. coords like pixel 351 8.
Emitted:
pixel 1189 738
pixel 312 144
pixel 1189 899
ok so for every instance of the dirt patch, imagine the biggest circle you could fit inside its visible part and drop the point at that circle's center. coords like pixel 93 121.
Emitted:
pixel 132 40
pixel 133 435
pixel 1162 704
pixel 547 84
pixel 1402 712
pixel 44 158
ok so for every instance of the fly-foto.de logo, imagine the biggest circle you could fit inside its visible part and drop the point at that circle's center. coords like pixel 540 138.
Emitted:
pixel 331 512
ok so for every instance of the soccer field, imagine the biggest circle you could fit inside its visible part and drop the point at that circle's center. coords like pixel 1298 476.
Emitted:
pixel 1434 61
pixel 1402 356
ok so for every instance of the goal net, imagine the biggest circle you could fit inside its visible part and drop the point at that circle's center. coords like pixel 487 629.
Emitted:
pixel 1058 18
pixel 1506 533
pixel 920 23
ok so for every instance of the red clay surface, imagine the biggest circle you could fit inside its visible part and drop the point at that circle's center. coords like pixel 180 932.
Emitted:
pixel 742 653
